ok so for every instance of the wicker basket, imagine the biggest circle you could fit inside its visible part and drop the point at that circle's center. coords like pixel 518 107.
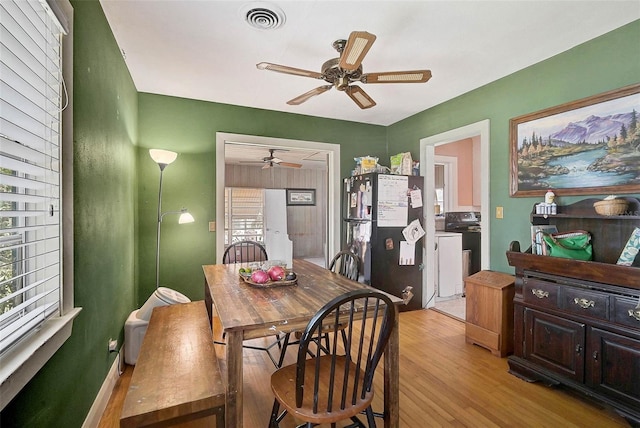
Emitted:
pixel 611 207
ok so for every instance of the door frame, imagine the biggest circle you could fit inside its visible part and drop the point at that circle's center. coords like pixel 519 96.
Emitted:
pixel 427 169
pixel 332 244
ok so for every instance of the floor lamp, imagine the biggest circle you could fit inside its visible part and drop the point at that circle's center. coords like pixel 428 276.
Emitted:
pixel 164 158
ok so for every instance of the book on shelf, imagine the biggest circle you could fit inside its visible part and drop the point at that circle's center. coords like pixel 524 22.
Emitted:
pixel 538 246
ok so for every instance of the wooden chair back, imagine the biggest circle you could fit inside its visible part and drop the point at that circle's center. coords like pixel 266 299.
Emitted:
pixel 244 252
pixel 346 264
pixel 337 383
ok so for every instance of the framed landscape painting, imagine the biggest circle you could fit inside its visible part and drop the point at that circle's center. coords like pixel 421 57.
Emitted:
pixel 301 196
pixel 588 146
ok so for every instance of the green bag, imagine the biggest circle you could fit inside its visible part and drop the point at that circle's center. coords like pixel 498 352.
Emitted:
pixel 575 244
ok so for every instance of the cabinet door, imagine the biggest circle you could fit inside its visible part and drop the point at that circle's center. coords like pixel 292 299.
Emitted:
pixel 614 365
pixel 555 343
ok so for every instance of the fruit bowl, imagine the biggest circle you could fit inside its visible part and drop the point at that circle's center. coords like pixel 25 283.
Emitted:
pixel 246 277
pixel 270 283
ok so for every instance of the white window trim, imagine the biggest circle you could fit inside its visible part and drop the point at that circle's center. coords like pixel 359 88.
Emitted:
pixel 20 364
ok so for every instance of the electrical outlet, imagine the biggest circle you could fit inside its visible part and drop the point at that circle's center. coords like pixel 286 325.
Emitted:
pixel 499 212
pixel 212 226
pixel 113 345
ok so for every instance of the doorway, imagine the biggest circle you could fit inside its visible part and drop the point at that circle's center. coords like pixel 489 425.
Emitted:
pixel 427 169
pixel 333 184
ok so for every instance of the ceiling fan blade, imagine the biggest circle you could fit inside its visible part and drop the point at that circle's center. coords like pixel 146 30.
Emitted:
pixel 304 97
pixel 414 76
pixel 267 165
pixel 288 70
pixel 290 164
pixel 357 47
pixel 360 97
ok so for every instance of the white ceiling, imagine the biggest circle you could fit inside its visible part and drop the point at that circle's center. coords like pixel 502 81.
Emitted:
pixel 254 155
pixel 205 50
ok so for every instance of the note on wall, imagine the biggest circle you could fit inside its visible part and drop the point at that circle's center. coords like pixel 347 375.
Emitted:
pixel 393 201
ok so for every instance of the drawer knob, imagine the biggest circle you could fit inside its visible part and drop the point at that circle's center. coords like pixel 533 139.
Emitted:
pixel 584 303
pixel 540 294
pixel 578 349
pixel 635 313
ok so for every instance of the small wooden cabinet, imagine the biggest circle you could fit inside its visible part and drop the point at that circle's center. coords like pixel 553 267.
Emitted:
pixel 577 323
pixel 489 311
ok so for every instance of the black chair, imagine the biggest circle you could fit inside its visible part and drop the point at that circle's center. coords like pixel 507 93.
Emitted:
pixel 238 252
pixel 247 252
pixel 244 252
pixel 346 264
pixel 338 383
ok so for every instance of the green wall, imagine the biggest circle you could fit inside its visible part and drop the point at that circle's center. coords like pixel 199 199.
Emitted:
pixel 105 197
pixel 189 127
pixel 116 184
pixel 602 64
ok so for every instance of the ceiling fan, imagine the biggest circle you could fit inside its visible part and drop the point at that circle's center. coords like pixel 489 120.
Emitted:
pixel 345 70
pixel 271 161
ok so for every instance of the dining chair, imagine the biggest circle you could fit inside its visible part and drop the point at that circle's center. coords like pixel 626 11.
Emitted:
pixel 244 252
pixel 247 252
pixel 239 252
pixel 337 383
pixel 346 263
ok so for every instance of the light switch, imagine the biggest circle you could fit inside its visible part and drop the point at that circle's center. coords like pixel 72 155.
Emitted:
pixel 212 226
pixel 499 212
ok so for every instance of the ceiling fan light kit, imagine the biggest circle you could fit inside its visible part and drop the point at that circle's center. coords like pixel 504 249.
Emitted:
pixel 345 70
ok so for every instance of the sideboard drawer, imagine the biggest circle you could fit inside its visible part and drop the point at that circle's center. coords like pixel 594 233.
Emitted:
pixel 541 293
pixel 586 303
pixel 625 312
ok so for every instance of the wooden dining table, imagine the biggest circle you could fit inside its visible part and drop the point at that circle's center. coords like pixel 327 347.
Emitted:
pixel 246 312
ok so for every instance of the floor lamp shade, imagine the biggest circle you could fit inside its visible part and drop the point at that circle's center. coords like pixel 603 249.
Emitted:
pixel 162 157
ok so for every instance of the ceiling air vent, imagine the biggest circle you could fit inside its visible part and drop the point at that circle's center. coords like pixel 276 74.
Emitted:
pixel 263 16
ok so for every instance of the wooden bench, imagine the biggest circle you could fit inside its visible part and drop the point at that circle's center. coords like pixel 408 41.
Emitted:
pixel 176 380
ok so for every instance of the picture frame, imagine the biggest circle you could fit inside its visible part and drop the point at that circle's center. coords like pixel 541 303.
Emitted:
pixel 587 146
pixel 301 196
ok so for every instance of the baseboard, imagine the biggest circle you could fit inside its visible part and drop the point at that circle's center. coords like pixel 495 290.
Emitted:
pixel 102 399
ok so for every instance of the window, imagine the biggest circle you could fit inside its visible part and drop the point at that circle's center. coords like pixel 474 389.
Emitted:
pixel 36 304
pixel 244 215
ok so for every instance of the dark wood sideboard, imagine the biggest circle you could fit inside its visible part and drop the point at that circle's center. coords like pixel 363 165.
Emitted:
pixel 577 323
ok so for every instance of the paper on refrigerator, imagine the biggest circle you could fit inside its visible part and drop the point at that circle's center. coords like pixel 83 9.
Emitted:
pixel 413 232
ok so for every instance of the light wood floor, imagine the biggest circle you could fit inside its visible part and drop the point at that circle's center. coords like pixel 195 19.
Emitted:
pixel 444 382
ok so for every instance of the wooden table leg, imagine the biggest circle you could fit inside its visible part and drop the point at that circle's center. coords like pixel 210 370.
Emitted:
pixel 392 380
pixel 233 411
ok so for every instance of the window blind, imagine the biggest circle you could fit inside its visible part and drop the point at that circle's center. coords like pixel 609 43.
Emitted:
pixel 244 218
pixel 30 151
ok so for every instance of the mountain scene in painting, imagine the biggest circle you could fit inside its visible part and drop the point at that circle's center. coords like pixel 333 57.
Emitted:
pixel 596 151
